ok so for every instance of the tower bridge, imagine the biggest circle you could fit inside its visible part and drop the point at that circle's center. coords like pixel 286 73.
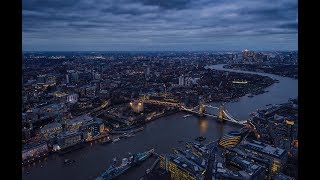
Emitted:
pixel 222 115
pixel 200 110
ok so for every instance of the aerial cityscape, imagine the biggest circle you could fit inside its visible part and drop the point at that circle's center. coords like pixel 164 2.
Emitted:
pixel 138 90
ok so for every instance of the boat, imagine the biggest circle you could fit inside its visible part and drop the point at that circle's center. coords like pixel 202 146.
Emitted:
pixel 250 95
pixel 115 140
pixel 114 171
pixel 68 161
pixel 139 157
pixel 128 135
pixel 185 116
pixel 148 171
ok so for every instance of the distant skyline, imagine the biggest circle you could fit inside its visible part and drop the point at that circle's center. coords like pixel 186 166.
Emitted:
pixel 154 25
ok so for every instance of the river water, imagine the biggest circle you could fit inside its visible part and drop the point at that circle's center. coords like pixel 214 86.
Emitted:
pixel 163 134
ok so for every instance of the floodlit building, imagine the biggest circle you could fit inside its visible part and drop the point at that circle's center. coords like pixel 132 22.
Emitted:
pixel 51 130
pixel 75 123
pixel 68 139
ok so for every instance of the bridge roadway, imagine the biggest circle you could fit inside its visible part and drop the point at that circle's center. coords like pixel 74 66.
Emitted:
pixel 227 115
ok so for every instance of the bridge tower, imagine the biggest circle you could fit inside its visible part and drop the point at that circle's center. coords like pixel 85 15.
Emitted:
pixel 202 109
pixel 221 113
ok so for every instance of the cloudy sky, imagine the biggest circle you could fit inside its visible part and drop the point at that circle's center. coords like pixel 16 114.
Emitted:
pixel 159 25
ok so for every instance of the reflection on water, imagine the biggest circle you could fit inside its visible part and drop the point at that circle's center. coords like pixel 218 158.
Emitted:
pixel 203 125
pixel 220 126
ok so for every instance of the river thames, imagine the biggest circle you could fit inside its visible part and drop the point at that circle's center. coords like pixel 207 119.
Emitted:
pixel 162 134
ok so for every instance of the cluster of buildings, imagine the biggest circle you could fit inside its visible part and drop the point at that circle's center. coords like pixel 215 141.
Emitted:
pixel 58 136
pixel 251 57
pixel 278 126
pixel 266 148
pixel 62 98
pixel 247 159
pixel 79 84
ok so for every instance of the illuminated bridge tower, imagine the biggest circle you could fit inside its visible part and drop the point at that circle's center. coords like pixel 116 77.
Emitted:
pixel 221 113
pixel 202 109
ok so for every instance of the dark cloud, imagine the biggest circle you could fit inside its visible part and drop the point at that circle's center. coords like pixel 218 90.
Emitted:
pixel 167 4
pixel 289 25
pixel 124 24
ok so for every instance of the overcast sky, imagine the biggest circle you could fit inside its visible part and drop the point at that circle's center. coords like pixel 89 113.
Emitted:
pixel 136 25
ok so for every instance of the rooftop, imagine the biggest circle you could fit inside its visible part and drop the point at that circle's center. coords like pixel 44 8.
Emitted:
pixel 51 125
pixel 80 119
pixel 263 148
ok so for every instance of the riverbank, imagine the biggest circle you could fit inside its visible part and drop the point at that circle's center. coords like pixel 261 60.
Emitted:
pixel 284 70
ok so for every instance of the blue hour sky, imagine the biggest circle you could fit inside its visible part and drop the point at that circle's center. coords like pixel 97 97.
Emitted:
pixel 135 25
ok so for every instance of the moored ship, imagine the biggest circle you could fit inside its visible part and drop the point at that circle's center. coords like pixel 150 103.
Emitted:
pixel 114 171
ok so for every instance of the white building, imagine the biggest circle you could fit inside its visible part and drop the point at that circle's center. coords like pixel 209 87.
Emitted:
pixel 72 98
pixel 181 80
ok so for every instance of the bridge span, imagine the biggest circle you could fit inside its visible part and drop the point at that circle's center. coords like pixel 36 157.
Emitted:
pixel 223 114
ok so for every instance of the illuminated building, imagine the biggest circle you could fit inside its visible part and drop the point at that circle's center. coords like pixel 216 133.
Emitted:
pixel 290 125
pixel 181 80
pixel 231 139
pixel 276 155
pixel 34 150
pixel 90 91
pixel 239 82
pixel 51 129
pixel 75 123
pixel 247 55
pixel 72 77
pixel 198 149
pixel 51 79
pixel 72 98
pixel 136 106
pixel 147 72
pixel 181 168
pixel 68 139
pixel 92 129
pixel 245 167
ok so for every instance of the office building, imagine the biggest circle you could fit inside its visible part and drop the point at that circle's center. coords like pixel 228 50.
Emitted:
pixel 180 167
pixel 74 124
pixel 181 80
pixel 230 139
pixel 68 139
pixel 34 150
pixel 51 130
pixel 72 77
pixel 90 91
pixel 276 155
pixel 92 130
